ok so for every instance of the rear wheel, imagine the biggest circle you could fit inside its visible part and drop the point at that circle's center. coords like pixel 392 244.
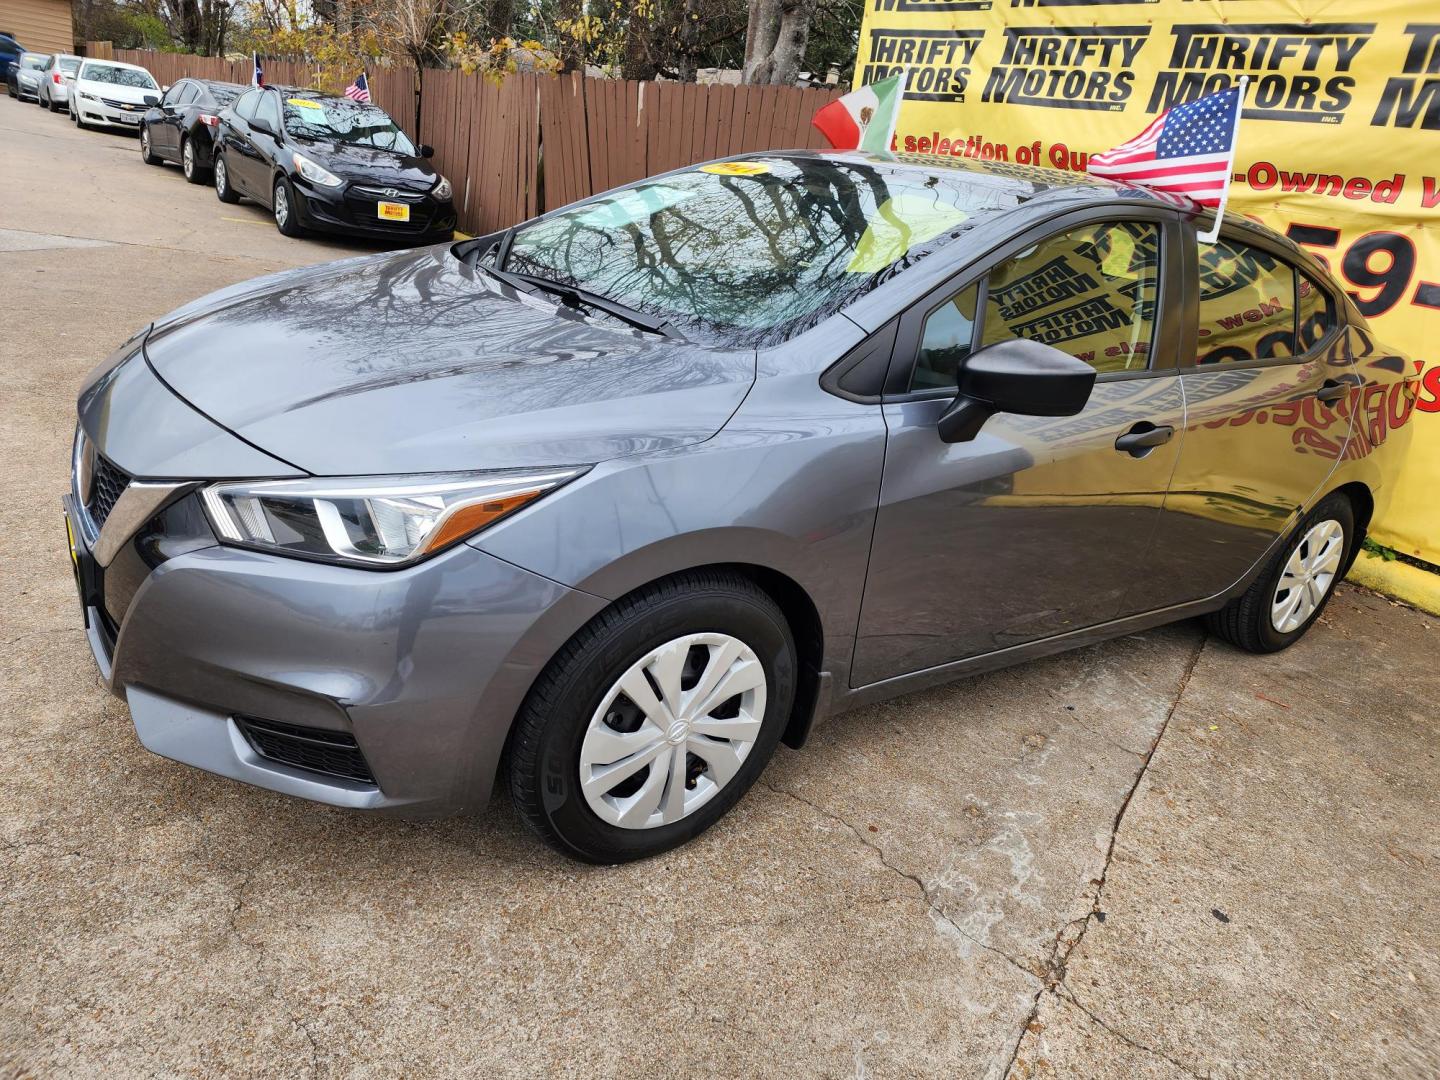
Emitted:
pixel 147 154
pixel 223 191
pixel 654 719
pixel 1296 584
pixel 194 171
pixel 285 209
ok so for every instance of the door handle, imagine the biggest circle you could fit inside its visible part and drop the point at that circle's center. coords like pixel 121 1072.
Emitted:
pixel 1144 437
pixel 1331 390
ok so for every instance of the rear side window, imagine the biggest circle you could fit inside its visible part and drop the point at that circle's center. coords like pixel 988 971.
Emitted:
pixel 1247 304
pixel 1316 313
pixel 189 94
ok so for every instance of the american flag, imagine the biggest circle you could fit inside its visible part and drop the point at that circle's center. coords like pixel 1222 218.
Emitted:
pixel 1188 150
pixel 359 90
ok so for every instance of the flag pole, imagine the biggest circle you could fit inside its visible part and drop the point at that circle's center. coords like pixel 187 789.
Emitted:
pixel 1214 231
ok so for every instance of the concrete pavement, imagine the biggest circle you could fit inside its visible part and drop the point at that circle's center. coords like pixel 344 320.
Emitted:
pixel 1156 857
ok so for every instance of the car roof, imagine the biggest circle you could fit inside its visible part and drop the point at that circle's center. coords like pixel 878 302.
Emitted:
pixel 220 85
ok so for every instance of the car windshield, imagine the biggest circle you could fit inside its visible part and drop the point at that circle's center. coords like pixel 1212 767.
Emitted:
pixel 747 253
pixel 344 121
pixel 118 76
pixel 34 62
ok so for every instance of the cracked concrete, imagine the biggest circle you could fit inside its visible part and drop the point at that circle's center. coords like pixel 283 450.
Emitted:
pixel 1152 858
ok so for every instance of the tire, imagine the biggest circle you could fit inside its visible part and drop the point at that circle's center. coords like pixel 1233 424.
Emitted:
pixel 1253 621
pixel 223 191
pixel 194 172
pixel 284 208
pixel 696 618
pixel 146 154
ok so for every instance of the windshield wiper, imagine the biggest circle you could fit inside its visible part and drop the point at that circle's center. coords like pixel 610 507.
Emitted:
pixel 574 297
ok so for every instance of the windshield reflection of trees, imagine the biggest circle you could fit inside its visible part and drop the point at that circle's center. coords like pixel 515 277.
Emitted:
pixel 751 260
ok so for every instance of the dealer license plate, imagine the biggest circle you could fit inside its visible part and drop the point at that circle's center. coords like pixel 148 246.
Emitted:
pixel 393 211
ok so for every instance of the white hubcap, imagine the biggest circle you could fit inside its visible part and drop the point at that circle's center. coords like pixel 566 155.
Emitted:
pixel 673 731
pixel 1309 573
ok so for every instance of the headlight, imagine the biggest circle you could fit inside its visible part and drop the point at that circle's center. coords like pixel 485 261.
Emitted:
pixel 442 189
pixel 314 173
pixel 372 521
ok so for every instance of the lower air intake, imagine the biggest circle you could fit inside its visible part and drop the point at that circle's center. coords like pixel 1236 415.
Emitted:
pixel 334 753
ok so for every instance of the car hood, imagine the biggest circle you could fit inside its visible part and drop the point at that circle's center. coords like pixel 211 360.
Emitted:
pixel 369 164
pixel 417 363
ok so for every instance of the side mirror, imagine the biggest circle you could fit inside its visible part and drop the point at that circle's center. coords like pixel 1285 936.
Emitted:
pixel 1017 376
pixel 426 150
pixel 258 124
pixel 151 100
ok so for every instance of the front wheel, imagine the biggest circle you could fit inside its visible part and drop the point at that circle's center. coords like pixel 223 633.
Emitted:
pixel 285 209
pixel 147 153
pixel 1295 585
pixel 223 191
pixel 654 719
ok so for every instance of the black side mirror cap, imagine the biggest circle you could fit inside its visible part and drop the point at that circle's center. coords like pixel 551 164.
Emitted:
pixel 1018 376
pixel 426 150
pixel 151 100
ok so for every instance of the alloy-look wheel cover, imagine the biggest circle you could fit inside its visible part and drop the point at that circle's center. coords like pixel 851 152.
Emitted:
pixel 144 143
pixel 1309 574
pixel 188 159
pixel 222 177
pixel 699 702
pixel 282 205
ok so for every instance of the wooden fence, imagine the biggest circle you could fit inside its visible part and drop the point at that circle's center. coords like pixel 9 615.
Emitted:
pixel 530 143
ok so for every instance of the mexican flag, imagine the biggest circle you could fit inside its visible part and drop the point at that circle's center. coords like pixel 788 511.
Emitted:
pixel 864 119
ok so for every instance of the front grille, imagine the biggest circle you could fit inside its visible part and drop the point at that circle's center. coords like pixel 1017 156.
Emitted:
pixel 126 106
pixel 378 193
pixel 334 753
pixel 105 489
pixel 364 210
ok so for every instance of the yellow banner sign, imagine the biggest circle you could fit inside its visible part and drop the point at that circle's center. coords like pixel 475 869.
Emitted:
pixel 1339 143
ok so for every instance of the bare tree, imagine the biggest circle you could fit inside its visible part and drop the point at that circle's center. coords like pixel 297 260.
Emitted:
pixel 775 40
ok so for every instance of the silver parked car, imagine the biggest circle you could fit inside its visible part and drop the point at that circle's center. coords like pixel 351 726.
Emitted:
pixel 613 503
pixel 56 81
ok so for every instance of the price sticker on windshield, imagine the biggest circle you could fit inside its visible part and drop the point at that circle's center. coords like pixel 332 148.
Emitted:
pixel 736 168
pixel 304 103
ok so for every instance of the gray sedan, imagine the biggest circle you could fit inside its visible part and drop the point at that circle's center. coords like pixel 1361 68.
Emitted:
pixel 23 79
pixel 613 503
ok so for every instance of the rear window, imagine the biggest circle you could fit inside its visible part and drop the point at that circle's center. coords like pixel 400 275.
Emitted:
pixel 344 121
pixel 222 95
pixel 70 64
pixel 747 253
pixel 118 76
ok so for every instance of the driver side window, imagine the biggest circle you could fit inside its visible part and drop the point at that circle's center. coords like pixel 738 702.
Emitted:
pixel 1089 291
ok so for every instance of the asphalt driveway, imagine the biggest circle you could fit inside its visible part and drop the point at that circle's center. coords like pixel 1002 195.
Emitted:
pixel 1156 857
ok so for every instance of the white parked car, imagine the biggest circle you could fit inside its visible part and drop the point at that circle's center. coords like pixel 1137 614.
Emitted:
pixel 56 80
pixel 111 94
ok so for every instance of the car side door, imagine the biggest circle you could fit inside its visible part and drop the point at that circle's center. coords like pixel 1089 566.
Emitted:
pixel 240 151
pixel 1270 390
pixel 163 137
pixel 265 141
pixel 1037 526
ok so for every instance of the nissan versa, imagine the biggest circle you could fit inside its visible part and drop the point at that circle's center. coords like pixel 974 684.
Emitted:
pixel 610 504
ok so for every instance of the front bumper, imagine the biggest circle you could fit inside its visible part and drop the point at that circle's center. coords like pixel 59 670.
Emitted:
pixel 352 211
pixel 424 668
pixel 27 88
pixel 94 111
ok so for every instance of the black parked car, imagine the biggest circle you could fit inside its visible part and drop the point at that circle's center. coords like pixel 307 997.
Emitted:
pixel 182 127
pixel 330 164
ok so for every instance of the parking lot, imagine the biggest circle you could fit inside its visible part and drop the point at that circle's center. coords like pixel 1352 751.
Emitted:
pixel 1156 857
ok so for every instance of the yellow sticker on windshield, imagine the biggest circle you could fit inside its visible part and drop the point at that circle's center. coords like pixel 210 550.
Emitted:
pixel 736 168
pixel 302 103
